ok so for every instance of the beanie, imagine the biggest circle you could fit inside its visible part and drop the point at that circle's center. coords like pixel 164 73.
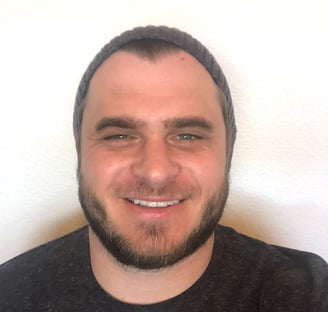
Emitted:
pixel 174 36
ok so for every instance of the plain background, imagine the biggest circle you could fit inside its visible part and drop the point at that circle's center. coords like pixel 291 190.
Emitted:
pixel 274 54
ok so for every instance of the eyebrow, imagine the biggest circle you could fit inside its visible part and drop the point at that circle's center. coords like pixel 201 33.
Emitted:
pixel 124 123
pixel 189 122
pixel 172 123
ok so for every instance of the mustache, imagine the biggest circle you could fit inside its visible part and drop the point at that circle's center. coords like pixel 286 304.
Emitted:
pixel 144 189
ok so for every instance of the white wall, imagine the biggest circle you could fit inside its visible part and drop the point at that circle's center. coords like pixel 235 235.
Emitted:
pixel 274 53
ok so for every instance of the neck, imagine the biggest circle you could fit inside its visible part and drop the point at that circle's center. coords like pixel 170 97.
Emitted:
pixel 146 286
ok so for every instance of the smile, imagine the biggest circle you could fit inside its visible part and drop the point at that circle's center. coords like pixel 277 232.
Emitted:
pixel 154 204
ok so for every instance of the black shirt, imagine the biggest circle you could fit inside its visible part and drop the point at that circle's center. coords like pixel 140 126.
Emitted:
pixel 244 274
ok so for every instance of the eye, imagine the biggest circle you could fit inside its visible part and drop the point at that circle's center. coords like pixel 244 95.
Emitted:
pixel 117 137
pixel 187 137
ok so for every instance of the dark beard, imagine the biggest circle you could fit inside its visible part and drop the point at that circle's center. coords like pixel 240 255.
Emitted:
pixel 120 248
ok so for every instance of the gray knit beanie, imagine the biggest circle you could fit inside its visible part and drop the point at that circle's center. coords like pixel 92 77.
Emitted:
pixel 171 35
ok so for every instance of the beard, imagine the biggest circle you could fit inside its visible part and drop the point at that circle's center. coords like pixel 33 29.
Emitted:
pixel 126 253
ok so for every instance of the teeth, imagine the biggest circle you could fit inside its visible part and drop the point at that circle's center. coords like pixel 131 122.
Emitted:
pixel 154 204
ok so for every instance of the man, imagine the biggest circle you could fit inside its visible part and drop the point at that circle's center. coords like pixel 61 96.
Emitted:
pixel 154 130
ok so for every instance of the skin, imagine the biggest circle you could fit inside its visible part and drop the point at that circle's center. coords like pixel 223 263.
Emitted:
pixel 152 131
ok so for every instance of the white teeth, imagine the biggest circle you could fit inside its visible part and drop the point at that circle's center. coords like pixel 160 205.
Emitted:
pixel 154 204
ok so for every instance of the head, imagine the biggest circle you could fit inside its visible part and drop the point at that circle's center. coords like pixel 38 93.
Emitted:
pixel 154 131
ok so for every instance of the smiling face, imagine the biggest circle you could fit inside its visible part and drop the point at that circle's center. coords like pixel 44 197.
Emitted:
pixel 153 154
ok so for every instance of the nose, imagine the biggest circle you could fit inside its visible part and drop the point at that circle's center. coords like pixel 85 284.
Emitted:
pixel 157 162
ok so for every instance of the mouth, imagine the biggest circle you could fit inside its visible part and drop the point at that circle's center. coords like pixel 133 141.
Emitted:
pixel 154 204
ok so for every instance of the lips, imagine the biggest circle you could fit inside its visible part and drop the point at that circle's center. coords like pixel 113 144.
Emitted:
pixel 154 204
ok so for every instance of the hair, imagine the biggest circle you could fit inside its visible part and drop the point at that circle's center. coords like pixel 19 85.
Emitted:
pixel 152 43
pixel 150 49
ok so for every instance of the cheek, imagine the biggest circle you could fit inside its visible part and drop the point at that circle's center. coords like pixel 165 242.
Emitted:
pixel 100 169
pixel 208 171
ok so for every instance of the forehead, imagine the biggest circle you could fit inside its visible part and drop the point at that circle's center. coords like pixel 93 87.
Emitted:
pixel 173 66
pixel 175 81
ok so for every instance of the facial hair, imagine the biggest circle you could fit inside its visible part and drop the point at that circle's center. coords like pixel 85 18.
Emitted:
pixel 125 253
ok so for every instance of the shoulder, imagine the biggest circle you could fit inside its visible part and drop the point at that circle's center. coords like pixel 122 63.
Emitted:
pixel 235 242
pixel 37 271
pixel 285 277
pixel 66 247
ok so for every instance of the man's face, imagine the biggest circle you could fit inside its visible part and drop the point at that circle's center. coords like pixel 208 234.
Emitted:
pixel 153 152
